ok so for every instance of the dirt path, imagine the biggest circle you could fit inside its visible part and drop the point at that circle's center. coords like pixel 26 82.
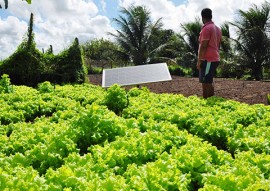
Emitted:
pixel 251 92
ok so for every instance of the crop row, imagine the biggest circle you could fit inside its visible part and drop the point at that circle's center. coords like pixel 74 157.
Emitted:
pixel 66 138
pixel 228 125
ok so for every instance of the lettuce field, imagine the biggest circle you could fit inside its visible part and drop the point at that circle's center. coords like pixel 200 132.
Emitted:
pixel 84 137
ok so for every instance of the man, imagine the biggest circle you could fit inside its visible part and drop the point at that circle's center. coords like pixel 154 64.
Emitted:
pixel 208 54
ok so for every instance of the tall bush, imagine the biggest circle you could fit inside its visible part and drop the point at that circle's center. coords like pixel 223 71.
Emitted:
pixel 24 66
pixel 70 64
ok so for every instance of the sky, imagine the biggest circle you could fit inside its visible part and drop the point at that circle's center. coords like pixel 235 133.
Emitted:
pixel 59 22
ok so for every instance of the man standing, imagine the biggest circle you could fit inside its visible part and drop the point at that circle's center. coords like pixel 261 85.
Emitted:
pixel 208 54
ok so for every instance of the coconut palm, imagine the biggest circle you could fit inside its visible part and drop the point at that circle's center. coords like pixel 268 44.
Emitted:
pixel 191 33
pixel 225 44
pixel 253 42
pixel 228 65
pixel 136 33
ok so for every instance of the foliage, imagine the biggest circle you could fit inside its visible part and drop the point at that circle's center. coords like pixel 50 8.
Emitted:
pixel 135 34
pixel 70 64
pixel 28 66
pixel 178 70
pixel 191 33
pixel 139 40
pixel 5 85
pixel 66 139
pixel 229 66
pixel 101 53
pixel 253 42
pixel 116 99
pixel 95 70
pixel 161 43
pixel 24 66
pixel 45 87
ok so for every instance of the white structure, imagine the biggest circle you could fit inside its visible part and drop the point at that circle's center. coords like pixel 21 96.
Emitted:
pixel 135 75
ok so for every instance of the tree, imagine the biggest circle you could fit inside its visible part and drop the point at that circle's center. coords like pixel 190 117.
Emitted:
pixel 135 34
pixel 24 66
pixel 228 65
pixel 253 42
pixel 226 46
pixel 190 38
pixel 101 52
pixel 161 43
pixel 6 3
pixel 50 50
pixel 69 65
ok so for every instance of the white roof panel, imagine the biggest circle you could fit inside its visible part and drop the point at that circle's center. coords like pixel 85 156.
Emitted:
pixel 136 75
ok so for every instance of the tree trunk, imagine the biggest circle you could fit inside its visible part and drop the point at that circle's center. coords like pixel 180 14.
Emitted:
pixel 257 71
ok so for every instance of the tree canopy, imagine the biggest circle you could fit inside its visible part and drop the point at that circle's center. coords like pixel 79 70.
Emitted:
pixel 253 42
pixel 135 33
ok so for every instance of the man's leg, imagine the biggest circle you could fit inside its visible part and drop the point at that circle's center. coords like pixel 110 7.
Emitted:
pixel 206 75
pixel 208 90
pixel 204 90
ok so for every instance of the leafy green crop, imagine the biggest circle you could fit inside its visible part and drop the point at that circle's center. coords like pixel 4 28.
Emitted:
pixel 5 84
pixel 116 99
pixel 82 137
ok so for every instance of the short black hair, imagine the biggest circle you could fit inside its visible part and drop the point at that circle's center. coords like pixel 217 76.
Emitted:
pixel 206 13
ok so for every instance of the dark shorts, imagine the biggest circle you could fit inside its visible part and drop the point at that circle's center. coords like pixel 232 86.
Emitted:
pixel 207 71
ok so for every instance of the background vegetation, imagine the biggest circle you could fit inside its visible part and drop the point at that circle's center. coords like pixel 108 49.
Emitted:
pixel 139 40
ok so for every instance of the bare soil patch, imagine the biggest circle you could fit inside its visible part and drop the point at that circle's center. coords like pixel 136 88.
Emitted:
pixel 250 92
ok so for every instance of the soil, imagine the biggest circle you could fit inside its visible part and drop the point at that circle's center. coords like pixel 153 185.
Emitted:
pixel 250 92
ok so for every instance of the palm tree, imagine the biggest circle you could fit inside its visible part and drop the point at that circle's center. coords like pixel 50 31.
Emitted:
pixel 191 38
pixel 226 45
pixel 253 42
pixel 135 34
pixel 228 66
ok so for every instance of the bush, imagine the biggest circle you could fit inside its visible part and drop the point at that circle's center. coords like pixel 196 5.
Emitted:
pixel 228 69
pixel 95 70
pixel 179 71
pixel 70 64
pixel 23 66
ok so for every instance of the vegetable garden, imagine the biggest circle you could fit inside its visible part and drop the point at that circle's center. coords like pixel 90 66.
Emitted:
pixel 83 137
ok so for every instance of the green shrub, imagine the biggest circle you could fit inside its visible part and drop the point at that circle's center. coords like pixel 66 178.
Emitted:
pixel 94 70
pixel 70 64
pixel 178 70
pixel 116 99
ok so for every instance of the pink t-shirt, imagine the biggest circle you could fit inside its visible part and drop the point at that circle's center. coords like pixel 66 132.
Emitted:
pixel 212 33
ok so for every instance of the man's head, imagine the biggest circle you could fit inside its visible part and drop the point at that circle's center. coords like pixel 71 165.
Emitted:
pixel 206 15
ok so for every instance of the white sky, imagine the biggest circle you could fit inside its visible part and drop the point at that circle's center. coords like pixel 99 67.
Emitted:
pixel 58 22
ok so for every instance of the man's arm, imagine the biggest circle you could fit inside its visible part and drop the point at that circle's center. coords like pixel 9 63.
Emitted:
pixel 201 52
